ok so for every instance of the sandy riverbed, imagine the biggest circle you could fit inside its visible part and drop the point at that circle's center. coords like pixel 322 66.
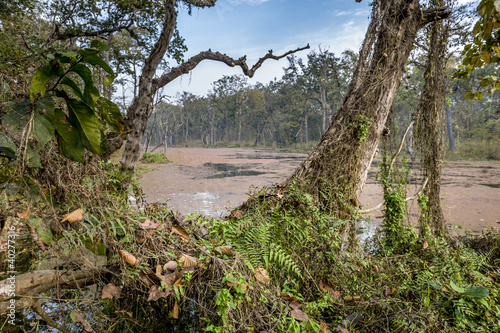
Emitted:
pixel 212 181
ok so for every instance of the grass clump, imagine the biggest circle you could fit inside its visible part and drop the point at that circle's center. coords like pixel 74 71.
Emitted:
pixel 154 158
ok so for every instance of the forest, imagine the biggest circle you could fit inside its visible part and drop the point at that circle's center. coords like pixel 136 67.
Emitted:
pixel 78 256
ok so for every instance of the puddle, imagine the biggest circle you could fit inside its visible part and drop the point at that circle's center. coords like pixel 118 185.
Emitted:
pixel 260 156
pixel 230 170
pixel 491 185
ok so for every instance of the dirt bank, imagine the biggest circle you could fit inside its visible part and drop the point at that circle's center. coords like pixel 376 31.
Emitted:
pixel 212 181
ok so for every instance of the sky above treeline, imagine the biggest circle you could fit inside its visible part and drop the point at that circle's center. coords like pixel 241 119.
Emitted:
pixel 253 27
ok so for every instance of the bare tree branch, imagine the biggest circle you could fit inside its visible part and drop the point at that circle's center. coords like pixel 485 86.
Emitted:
pixel 189 65
pixel 434 14
pixel 58 35
pixel 201 3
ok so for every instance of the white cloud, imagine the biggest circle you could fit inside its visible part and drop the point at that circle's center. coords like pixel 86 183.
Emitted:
pixel 341 13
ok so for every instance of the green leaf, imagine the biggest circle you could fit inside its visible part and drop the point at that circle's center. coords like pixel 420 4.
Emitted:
pixel 7 147
pixel 42 125
pixel 87 123
pixel 476 291
pixel 456 288
pixel 70 83
pixel 68 138
pixel 97 44
pixel 90 93
pixel 95 60
pixel 87 52
pixel 45 235
pixel 98 249
pixel 110 112
pixel 39 81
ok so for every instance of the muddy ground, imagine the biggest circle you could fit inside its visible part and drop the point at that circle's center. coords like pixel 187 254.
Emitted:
pixel 213 181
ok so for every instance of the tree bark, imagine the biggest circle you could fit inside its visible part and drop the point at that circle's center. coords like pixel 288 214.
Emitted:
pixel 336 170
pixel 432 105
pixel 139 112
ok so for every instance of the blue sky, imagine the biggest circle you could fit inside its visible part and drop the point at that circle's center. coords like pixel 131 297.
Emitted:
pixel 252 27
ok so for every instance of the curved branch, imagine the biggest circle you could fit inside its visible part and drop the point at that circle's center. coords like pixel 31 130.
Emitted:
pixel 58 35
pixel 434 14
pixel 189 65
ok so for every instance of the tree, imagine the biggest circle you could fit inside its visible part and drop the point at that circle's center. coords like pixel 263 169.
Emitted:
pixel 429 123
pixel 337 169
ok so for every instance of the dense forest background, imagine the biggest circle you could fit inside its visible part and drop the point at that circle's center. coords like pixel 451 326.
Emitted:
pixel 292 111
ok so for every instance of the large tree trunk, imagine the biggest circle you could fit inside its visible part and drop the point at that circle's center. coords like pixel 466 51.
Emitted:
pixel 138 114
pixel 335 172
pixel 432 104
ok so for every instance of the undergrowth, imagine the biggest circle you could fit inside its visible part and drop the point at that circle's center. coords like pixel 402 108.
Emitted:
pixel 154 158
pixel 397 283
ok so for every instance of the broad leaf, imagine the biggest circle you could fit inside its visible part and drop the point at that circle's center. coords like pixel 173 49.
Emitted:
pixel 68 138
pixel 110 112
pixel 87 123
pixel 456 288
pixel 478 292
pixel 70 83
pixel 7 147
pixel 40 80
pixel 97 44
pixel 95 60
pixel 90 93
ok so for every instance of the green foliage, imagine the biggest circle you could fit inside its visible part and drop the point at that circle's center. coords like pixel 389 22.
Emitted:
pixel 485 48
pixel 154 158
pixel 397 237
pixel 30 124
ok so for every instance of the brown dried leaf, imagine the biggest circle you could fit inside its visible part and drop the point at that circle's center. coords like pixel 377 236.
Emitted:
pixel 149 225
pixel 236 214
pixel 170 266
pixel 79 319
pixel 74 216
pixel 261 275
pixel 170 279
pixel 155 294
pixel 129 258
pixel 110 291
pixel 323 328
pixel 24 215
pixel 288 297
pixel 296 305
pixel 226 249
pixel 425 244
pixel 175 311
pixel 179 282
pixel 188 261
pixel 325 286
pixel 158 269
pixel 181 232
pixel 299 315
pixel 375 268
pixel 352 298
pixel 147 281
